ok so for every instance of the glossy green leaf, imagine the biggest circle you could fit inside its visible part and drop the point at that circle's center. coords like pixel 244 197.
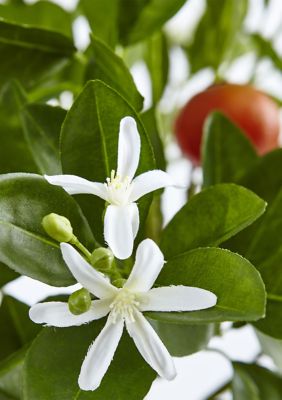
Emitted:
pixel 261 179
pixel 55 358
pixel 16 329
pixel 139 18
pixel 25 200
pixel 252 382
pixel 42 14
pixel 15 155
pixel 150 122
pixel 89 144
pixel 6 275
pixel 233 279
pixel 42 126
pixel 102 17
pixel 211 217
pixel 110 68
pixel 182 340
pixel 157 60
pixel 227 152
pixel 216 34
pixel 46 49
pixel 11 379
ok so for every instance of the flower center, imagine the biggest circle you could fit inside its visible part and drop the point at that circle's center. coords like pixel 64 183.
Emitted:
pixel 124 306
pixel 118 188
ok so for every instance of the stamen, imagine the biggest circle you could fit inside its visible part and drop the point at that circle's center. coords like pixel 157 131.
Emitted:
pixel 123 306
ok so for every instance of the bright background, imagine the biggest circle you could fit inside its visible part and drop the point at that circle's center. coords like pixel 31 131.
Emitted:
pixel 202 373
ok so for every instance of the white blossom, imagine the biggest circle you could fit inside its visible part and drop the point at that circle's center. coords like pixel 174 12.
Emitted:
pixel 124 307
pixel 121 190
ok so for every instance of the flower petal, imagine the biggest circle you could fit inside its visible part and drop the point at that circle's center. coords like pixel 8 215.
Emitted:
pixel 120 224
pixel 177 298
pixel 151 347
pixel 128 148
pixel 85 274
pixel 150 181
pixel 148 264
pixel 100 355
pixel 134 216
pixel 75 185
pixel 56 313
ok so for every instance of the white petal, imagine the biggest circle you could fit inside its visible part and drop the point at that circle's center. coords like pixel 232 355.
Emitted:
pixel 119 228
pixel 148 264
pixel 150 181
pixel 56 313
pixel 151 347
pixel 134 215
pixel 128 148
pixel 100 355
pixel 85 274
pixel 75 185
pixel 177 298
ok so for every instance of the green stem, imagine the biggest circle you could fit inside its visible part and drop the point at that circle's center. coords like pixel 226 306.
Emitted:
pixel 80 246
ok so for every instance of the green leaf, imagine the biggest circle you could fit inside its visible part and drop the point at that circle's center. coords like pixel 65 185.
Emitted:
pixel 264 48
pixel 102 17
pixel 46 49
pixel 265 250
pixel 260 177
pixel 42 14
pixel 16 328
pixel 110 68
pixel 11 380
pixel 157 60
pixel 233 279
pixel 14 152
pixel 25 200
pixel 252 382
pixel 89 142
pixel 150 122
pixel 216 34
pixel 139 19
pixel 211 217
pixel 42 126
pixel 227 152
pixel 6 275
pixel 182 340
pixel 266 184
pixel 55 358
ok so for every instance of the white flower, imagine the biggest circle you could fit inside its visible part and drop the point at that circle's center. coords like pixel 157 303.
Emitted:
pixel 125 307
pixel 121 190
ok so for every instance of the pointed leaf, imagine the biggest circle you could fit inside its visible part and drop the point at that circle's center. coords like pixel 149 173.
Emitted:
pixel 227 152
pixel 110 68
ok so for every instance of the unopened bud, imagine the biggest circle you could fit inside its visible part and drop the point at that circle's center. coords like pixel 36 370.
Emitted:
pixel 58 227
pixel 102 259
pixel 79 302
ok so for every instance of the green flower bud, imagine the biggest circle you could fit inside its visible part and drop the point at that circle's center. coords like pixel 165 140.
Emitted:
pixel 102 259
pixel 57 227
pixel 79 302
